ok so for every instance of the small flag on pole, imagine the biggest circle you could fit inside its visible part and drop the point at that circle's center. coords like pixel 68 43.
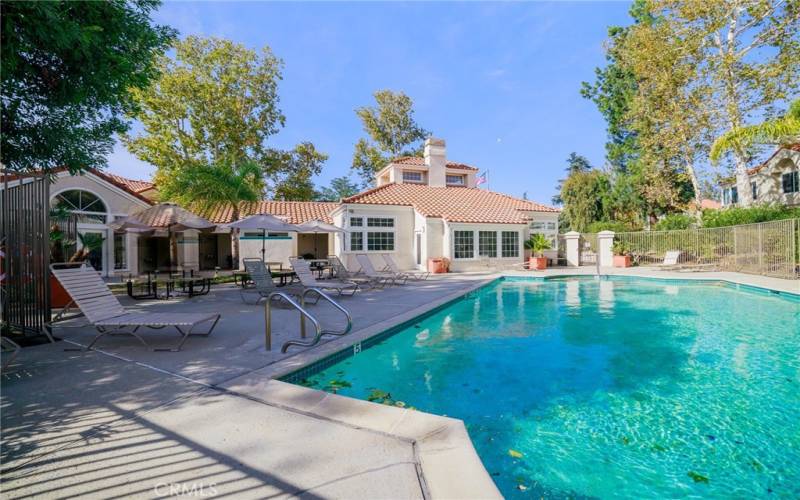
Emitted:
pixel 481 179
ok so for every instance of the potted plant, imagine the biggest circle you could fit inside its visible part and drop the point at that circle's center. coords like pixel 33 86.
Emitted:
pixel 537 244
pixel 622 254
pixel 58 242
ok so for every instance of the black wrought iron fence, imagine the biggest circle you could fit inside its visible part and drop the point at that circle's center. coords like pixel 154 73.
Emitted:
pixel 24 252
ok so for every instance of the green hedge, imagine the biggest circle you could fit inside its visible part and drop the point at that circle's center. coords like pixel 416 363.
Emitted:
pixel 734 216
pixel 617 227
pixel 675 221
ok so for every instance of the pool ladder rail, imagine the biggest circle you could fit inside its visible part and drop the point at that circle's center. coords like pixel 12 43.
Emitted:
pixel 304 314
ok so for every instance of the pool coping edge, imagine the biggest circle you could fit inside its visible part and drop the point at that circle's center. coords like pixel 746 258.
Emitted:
pixel 442 447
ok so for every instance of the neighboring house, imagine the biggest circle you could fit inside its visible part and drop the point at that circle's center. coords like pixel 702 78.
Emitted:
pixel 774 181
pixel 421 208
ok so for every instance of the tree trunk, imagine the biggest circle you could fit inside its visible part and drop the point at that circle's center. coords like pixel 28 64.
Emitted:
pixel 696 188
pixel 235 238
pixel 743 182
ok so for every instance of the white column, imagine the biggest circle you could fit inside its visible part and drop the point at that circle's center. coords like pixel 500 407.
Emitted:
pixel 573 243
pixel 605 240
pixel 189 250
pixel 132 253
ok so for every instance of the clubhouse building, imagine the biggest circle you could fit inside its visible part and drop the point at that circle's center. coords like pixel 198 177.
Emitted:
pixel 420 208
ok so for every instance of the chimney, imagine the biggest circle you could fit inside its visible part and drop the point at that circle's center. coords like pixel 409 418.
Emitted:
pixel 435 159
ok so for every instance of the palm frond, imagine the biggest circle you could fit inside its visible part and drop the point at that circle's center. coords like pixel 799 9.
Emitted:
pixel 781 131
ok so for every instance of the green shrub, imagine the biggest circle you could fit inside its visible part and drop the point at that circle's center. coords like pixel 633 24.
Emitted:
pixel 734 216
pixel 607 225
pixel 675 221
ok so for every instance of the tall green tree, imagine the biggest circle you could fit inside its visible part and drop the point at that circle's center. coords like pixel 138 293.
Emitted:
pixel 744 57
pixel 585 195
pixel 301 165
pixel 575 164
pixel 214 103
pixel 391 130
pixel 613 90
pixel 340 187
pixel 204 186
pixel 67 68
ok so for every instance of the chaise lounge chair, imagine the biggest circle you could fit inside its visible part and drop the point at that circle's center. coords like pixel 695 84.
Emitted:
pixel 263 285
pixel 306 276
pixel 392 266
pixel 671 258
pixel 102 309
pixel 339 271
pixel 388 277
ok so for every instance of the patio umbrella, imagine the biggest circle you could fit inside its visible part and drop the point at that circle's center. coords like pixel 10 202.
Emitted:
pixel 167 216
pixel 263 222
pixel 317 226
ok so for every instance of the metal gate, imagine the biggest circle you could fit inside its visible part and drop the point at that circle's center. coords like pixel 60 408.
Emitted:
pixel 588 246
pixel 24 252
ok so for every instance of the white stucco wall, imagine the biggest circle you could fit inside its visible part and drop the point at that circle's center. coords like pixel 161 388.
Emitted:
pixel 275 250
pixel 404 225
pixel 769 179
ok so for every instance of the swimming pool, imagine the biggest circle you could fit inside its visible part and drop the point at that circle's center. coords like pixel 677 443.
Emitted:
pixel 617 387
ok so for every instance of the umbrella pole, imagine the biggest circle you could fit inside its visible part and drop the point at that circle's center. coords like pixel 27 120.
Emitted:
pixel 263 247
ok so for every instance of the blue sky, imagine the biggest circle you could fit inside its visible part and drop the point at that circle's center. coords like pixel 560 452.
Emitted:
pixel 498 81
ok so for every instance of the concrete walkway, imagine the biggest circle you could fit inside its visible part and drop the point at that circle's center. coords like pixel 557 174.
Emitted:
pixel 125 421
pixel 211 420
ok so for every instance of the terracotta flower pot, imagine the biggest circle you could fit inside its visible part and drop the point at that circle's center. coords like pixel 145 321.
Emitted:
pixel 58 296
pixel 538 263
pixel 622 261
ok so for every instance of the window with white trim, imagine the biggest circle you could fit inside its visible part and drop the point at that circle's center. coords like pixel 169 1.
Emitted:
pixel 413 176
pixel 487 244
pixel 730 195
pixel 537 226
pixel 510 244
pixel 790 182
pixel 380 241
pixel 356 242
pixel 463 244
pixel 456 180
pixel 88 207
pixel 380 222
pixel 372 234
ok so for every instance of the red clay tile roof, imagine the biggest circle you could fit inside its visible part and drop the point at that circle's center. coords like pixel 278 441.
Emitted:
pixel 454 204
pixel 170 214
pixel 134 185
pixel 790 147
pixel 707 203
pixel 416 160
pixel 295 212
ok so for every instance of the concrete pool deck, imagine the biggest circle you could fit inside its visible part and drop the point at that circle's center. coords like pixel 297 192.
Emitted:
pixel 213 420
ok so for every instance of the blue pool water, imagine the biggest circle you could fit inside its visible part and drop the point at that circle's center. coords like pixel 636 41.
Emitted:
pixel 605 388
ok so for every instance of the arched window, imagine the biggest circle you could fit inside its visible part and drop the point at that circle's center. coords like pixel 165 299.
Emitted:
pixel 87 206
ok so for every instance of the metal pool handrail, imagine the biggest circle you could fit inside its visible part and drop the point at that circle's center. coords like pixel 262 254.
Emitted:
pixel 318 331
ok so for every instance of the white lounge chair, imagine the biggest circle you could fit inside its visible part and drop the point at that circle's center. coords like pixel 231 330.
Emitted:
pixel 306 277
pixel 388 277
pixel 391 265
pixel 263 285
pixel 103 311
pixel 670 259
pixel 340 271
